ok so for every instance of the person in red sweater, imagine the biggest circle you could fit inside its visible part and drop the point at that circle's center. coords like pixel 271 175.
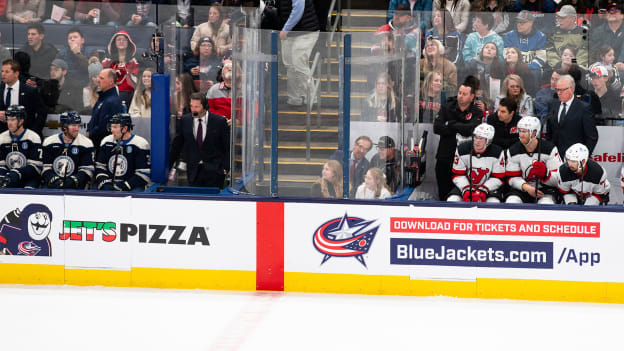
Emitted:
pixel 219 100
pixel 121 51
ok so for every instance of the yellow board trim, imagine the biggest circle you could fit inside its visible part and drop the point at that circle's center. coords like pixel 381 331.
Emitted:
pixel 484 288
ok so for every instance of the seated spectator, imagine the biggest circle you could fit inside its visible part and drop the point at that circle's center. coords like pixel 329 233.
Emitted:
pixel 611 34
pixel 489 69
pixel 423 7
pixel 430 97
pixel 89 92
pixel 513 88
pixel 568 58
pixel 381 105
pixel 538 9
pixel 388 160
pixel 610 101
pixel 330 183
pixel 216 28
pixel 68 7
pixel 41 54
pixel 374 186
pixel 483 35
pixel 358 163
pixel 606 58
pixel 183 91
pixel 75 56
pixel 143 14
pixel 434 60
pixel 98 12
pixel 499 11
pixel 568 34
pixel 141 105
pixel 30 11
pixel 69 93
pixel 459 9
pixel 203 65
pixel 589 96
pixel 219 100
pixel 505 123
pixel 514 64
pixel 444 31
pixel 547 95
pixel 121 51
pixel 403 27
pixel 530 42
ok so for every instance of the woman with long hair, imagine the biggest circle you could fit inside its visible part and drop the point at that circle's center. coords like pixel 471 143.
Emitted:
pixel 141 105
pixel 330 183
pixel 381 104
pixel 488 68
pixel 89 92
pixel 216 28
pixel 513 88
pixel 605 56
pixel 183 91
pixel 430 97
pixel 434 60
pixel 568 56
pixel 499 12
pixel 444 30
pixel 514 64
pixel 374 186
pixel 121 51
pixel 459 9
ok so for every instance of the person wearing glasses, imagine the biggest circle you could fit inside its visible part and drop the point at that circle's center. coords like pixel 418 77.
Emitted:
pixel 568 34
pixel 358 163
pixel 611 33
pixel 570 120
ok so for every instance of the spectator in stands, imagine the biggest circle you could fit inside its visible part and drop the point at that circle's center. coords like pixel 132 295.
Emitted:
pixel 514 64
pixel 66 8
pixel 547 95
pixel 538 8
pixel 423 7
pixel 30 11
pixel 499 11
pixel 459 9
pixel 505 123
pixel 184 12
pixel 330 183
pixel 457 117
pixel 434 60
pixel 203 65
pixel 107 105
pixel 610 101
pixel 388 160
pixel 142 14
pixel 141 105
pixel 606 58
pixel 589 96
pixel 381 105
pixel 70 93
pixel 121 51
pixel 483 35
pixel 358 163
pixel 216 28
pixel 75 56
pixel 610 33
pixel 513 88
pixel 98 12
pixel 568 34
pixel 89 92
pixel 183 91
pixel 529 41
pixel 444 30
pixel 374 186
pixel 430 97
pixel 568 58
pixel 489 69
pixel 219 100
pixel 401 26
pixel 41 54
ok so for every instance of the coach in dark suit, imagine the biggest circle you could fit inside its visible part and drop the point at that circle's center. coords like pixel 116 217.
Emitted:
pixel 571 120
pixel 205 139
pixel 16 92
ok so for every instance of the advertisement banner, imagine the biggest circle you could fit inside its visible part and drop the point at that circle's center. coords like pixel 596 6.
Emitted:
pixel 453 243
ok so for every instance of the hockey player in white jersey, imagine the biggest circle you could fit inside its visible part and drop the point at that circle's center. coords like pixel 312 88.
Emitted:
pixel 581 179
pixel 478 168
pixel 532 166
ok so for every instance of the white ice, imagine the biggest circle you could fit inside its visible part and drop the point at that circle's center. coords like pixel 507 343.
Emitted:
pixel 96 318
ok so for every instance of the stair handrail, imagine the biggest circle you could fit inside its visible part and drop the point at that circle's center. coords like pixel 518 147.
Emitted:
pixel 312 94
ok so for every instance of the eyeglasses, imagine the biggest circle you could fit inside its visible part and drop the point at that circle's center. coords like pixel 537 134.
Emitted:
pixel 562 90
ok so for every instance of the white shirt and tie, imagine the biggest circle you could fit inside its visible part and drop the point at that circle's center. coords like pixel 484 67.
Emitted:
pixel 564 108
pixel 204 123
pixel 14 93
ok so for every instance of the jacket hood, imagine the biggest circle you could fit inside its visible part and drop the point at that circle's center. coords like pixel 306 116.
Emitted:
pixel 131 46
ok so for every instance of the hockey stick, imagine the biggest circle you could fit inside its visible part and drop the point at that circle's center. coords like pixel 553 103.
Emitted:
pixel 117 150
pixel 470 173
pixel 539 155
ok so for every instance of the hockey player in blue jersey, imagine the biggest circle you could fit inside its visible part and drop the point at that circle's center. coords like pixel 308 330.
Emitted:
pixel 26 232
pixel 68 156
pixel 20 152
pixel 123 161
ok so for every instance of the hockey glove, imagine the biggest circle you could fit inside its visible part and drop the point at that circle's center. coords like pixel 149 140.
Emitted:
pixel 478 196
pixel 121 186
pixel 538 170
pixel 105 185
pixel 71 183
pixel 467 194
pixel 55 182
pixel 11 179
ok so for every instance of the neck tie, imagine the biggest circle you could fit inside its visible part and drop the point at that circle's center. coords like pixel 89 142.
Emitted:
pixel 7 100
pixel 200 133
pixel 562 114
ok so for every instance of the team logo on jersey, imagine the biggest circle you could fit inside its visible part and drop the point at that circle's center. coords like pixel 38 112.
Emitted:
pixel 15 159
pixel 74 150
pixel 25 145
pixel 478 174
pixel 468 116
pixel 345 237
pixel 513 130
pixel 122 165
pixel 28 248
pixel 63 166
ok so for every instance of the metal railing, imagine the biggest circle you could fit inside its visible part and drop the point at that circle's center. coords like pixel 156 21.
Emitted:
pixel 313 97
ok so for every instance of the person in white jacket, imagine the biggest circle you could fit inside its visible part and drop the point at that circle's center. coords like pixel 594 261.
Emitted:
pixel 374 186
pixel 141 105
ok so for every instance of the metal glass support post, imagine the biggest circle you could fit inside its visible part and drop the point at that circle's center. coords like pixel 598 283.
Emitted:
pixel 346 114
pixel 274 68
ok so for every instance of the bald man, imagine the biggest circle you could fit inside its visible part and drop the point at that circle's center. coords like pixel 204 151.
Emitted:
pixel 106 106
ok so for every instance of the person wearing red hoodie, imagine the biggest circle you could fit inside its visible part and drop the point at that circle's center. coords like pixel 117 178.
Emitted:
pixel 121 51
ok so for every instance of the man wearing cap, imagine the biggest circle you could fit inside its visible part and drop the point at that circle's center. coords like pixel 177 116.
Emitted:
pixel 611 33
pixel 423 7
pixel 568 33
pixel 387 160
pixel 401 26
pixel 609 99
pixel 530 42
pixel 58 93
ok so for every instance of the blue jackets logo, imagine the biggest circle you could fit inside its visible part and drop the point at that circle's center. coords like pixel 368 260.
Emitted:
pixel 345 237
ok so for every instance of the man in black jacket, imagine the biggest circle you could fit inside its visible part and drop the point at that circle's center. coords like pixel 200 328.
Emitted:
pixel 41 54
pixel 205 139
pixel 456 120
pixel 505 123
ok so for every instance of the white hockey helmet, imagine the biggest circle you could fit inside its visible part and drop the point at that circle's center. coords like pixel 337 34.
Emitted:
pixel 577 152
pixel 530 123
pixel 486 131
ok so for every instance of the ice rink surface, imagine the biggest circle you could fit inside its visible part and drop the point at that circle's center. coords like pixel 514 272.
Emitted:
pixel 96 318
